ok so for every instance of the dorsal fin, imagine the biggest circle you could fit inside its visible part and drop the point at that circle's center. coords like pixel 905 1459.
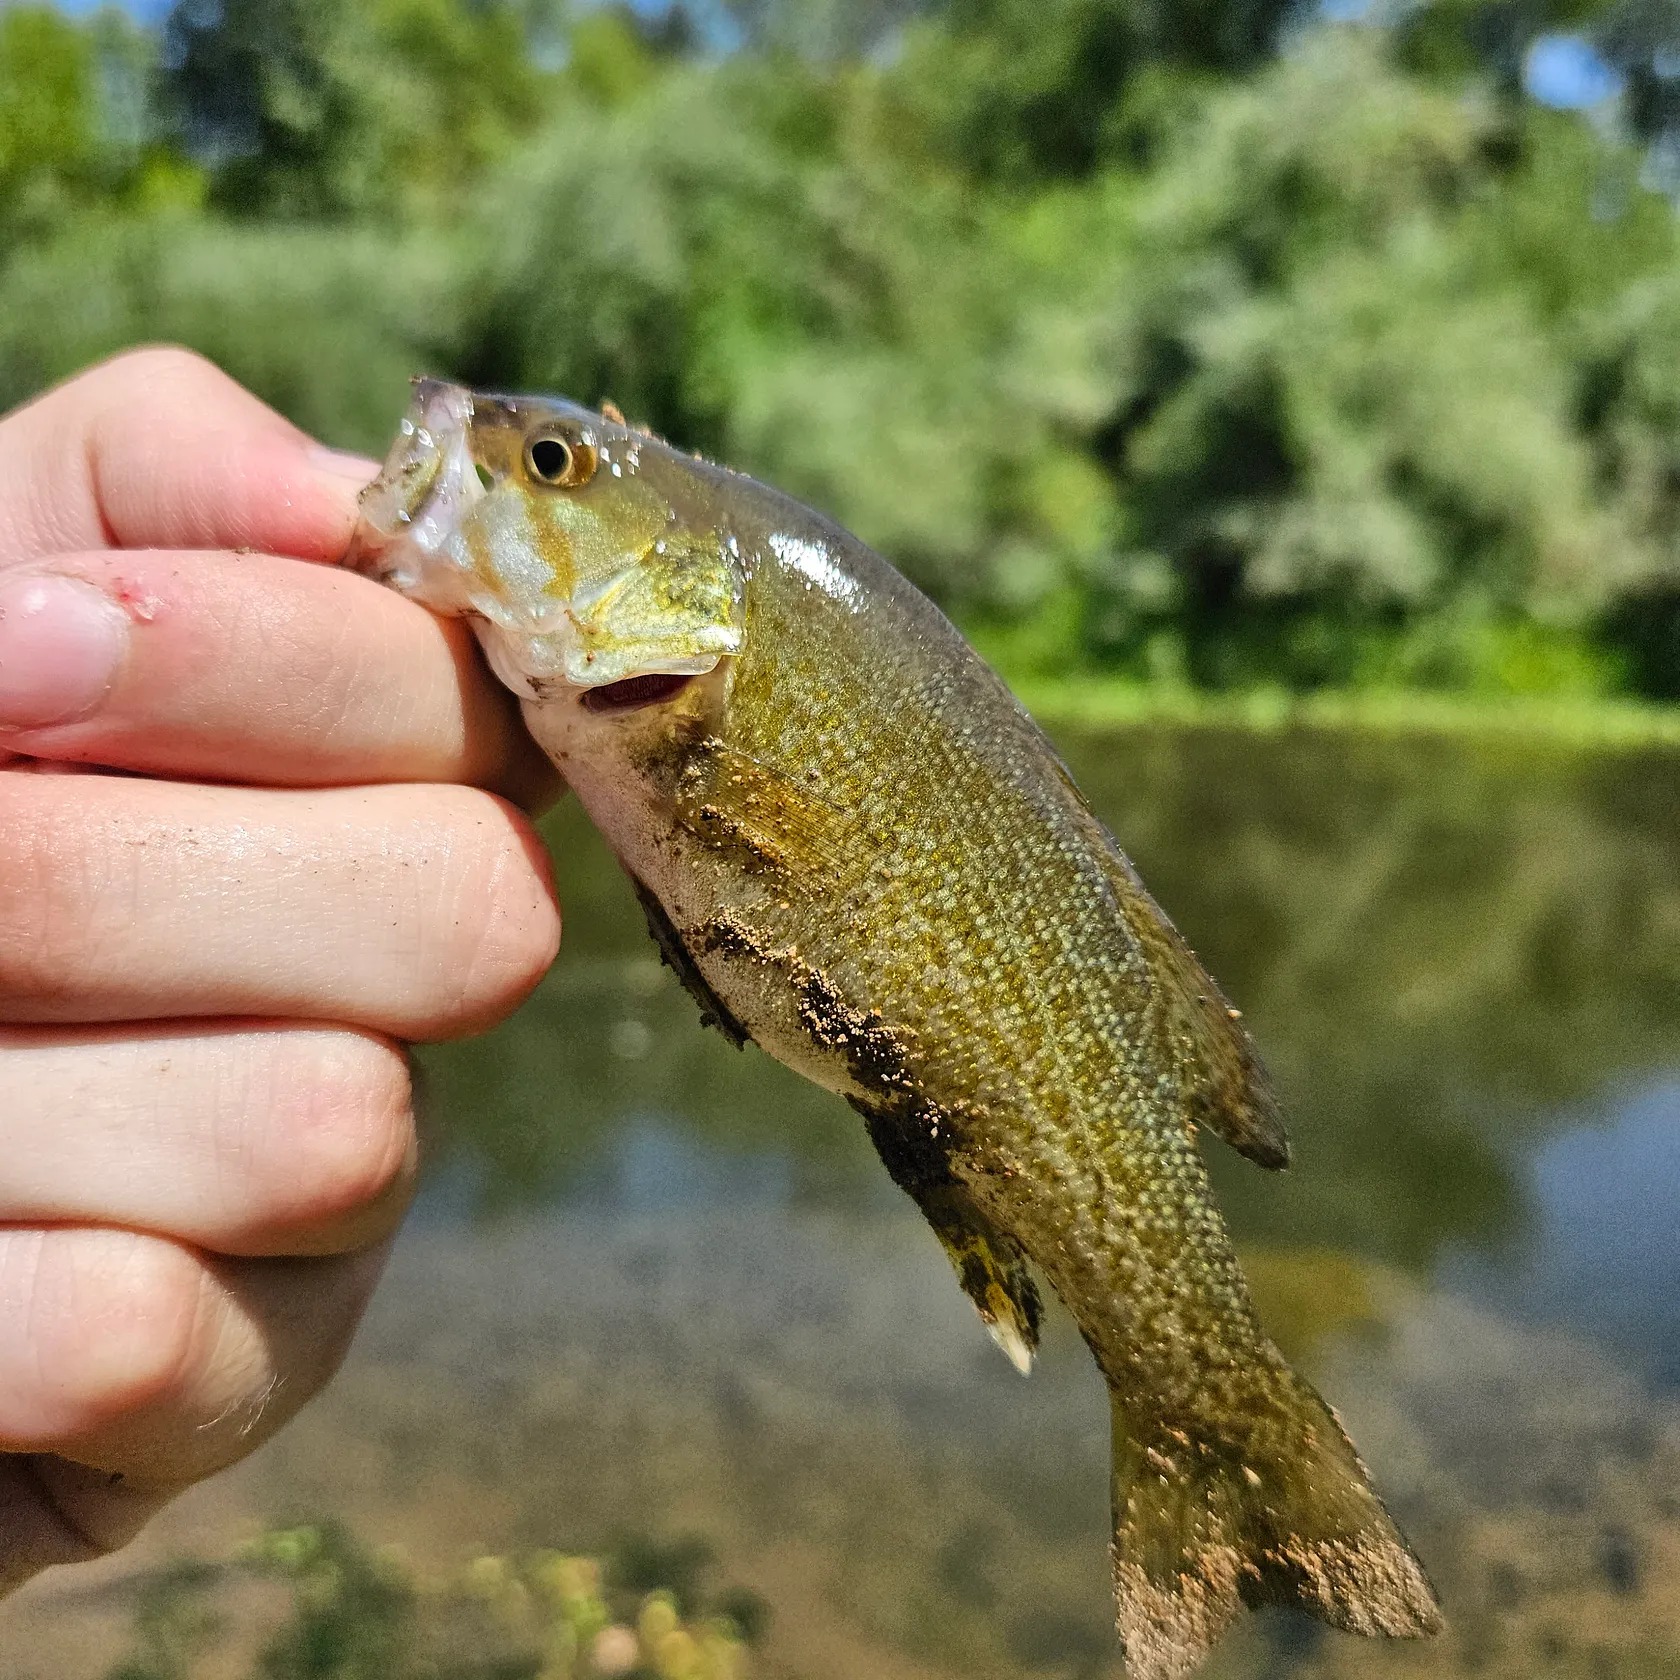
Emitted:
pixel 1230 1094
pixel 1229 1091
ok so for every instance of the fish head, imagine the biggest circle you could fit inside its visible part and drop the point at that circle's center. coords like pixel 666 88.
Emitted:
pixel 583 552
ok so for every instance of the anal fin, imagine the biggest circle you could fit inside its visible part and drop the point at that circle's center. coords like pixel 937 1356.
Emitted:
pixel 991 1267
pixel 990 1264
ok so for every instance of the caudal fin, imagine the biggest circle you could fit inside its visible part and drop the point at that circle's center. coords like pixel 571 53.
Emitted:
pixel 1202 1529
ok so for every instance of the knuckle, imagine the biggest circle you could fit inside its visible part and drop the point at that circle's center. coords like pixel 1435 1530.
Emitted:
pixel 514 934
pixel 163 364
pixel 348 1146
pixel 110 1323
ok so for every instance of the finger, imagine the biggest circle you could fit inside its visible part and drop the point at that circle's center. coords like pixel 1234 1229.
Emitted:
pixel 143 1358
pixel 240 1138
pixel 195 664
pixel 160 449
pixel 420 911
pixel 53 1511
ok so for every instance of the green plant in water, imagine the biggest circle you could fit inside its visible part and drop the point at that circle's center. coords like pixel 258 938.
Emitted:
pixel 360 1613
pixel 172 1623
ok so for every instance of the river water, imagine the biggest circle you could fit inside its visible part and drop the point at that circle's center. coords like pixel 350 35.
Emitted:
pixel 658 1294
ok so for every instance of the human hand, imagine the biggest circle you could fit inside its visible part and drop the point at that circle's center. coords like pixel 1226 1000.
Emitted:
pixel 208 964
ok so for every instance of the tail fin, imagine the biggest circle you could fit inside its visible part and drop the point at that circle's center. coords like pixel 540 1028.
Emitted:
pixel 1202 1529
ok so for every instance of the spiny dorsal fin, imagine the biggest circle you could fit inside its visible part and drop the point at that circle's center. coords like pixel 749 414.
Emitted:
pixel 1230 1094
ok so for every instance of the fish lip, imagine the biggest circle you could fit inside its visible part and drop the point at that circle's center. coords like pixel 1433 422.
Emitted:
pixel 430 454
pixel 425 389
pixel 425 460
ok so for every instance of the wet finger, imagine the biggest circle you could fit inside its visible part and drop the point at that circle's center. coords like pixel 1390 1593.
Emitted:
pixel 241 1138
pixel 419 911
pixel 250 669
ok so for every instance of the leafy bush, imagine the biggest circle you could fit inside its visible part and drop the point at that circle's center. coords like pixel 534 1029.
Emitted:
pixel 1143 346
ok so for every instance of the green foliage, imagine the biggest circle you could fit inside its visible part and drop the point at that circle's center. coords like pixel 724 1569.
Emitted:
pixel 818 29
pixel 72 117
pixel 1024 90
pixel 327 325
pixel 1354 431
pixel 747 260
pixel 356 1613
pixel 1146 347
pixel 319 108
pixel 173 1622
pixel 47 137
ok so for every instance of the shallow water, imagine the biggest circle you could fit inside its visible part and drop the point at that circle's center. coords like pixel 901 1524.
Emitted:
pixel 661 1289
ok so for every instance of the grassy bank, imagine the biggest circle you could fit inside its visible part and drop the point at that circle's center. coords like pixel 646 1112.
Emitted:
pixel 1115 703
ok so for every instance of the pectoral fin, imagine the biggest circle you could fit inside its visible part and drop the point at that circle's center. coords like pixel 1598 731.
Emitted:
pixel 767 818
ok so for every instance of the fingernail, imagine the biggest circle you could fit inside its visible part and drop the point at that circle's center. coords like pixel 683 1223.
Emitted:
pixel 61 642
pixel 358 469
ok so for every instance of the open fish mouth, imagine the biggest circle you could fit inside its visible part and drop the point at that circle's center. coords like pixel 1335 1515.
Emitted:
pixel 631 694
pixel 412 532
pixel 407 515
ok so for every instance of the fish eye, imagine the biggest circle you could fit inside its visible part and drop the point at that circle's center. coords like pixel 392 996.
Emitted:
pixel 559 461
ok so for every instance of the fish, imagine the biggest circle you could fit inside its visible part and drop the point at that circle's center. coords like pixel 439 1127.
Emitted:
pixel 858 852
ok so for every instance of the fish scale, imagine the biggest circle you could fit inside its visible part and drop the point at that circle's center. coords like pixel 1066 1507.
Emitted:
pixel 858 851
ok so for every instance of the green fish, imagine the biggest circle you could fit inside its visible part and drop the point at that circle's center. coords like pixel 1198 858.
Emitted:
pixel 857 851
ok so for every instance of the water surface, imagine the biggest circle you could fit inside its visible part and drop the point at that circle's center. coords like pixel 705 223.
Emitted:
pixel 659 1289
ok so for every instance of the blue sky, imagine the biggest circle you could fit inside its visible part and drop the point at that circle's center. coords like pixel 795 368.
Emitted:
pixel 144 9
pixel 148 10
pixel 1566 71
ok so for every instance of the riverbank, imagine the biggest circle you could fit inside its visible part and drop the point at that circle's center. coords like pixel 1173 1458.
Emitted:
pixel 1114 703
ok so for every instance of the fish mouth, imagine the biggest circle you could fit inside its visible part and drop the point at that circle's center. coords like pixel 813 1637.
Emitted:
pixel 427 480
pixel 633 694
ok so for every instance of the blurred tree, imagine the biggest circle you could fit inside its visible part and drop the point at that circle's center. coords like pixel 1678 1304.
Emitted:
pixel 1355 455
pixel 1139 343
pixel 1448 40
pixel 49 117
pixel 1028 90
pixel 324 108
pixel 820 29
pixel 763 262
pixel 327 325
pixel 1625 57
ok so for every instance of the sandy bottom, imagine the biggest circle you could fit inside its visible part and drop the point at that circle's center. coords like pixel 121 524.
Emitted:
pixel 813 1398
